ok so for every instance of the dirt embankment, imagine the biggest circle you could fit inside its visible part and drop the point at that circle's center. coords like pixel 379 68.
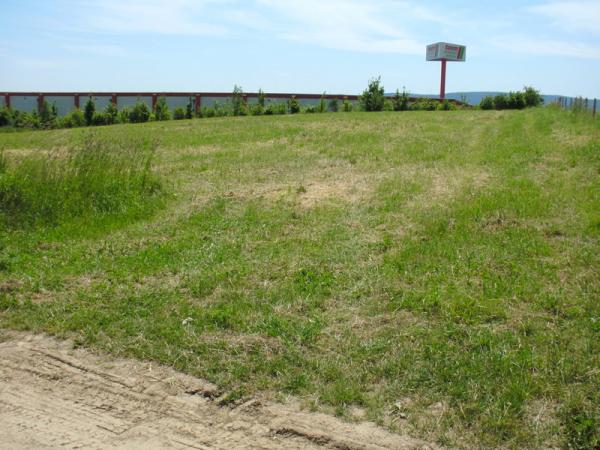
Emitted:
pixel 52 396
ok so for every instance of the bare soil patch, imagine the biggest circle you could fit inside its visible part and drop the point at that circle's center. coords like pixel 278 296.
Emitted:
pixel 54 396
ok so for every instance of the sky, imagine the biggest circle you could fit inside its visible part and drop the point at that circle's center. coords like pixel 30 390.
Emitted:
pixel 304 46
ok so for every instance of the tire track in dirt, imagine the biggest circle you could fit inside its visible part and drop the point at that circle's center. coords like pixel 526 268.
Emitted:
pixel 52 396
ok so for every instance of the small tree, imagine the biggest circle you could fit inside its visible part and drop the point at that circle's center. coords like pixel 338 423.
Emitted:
pixel 516 100
pixel 322 104
pixel 161 110
pixel 237 101
pixel 88 111
pixel 532 97
pixel 293 105
pixel 179 113
pixel 401 101
pixel 261 98
pixel 48 115
pixel 487 103
pixel 372 99
pixel 111 113
pixel 140 113
pixel 500 102
pixel 334 105
pixel 189 109
pixel 346 105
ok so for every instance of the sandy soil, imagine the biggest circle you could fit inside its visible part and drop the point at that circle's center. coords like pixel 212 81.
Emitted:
pixel 52 396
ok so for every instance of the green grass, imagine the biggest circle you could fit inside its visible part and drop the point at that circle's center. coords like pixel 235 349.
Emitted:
pixel 439 271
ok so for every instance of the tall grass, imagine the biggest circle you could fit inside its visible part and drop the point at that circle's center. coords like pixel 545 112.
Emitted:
pixel 96 177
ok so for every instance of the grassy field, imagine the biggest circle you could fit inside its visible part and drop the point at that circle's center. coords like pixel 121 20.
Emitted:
pixel 438 273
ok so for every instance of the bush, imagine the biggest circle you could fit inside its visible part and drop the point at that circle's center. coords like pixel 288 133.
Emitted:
pixel 401 101
pixel 446 106
pixel 257 109
pixel 500 102
pixel 73 119
pixel 516 100
pixel 487 103
pixel 532 97
pixel 322 106
pixel 310 109
pixel 48 115
pixel 161 110
pixel 140 113
pixel 424 104
pixel 111 113
pixel 334 105
pixel 347 105
pixel 208 112
pixel 124 115
pixel 88 111
pixel 99 119
pixel 5 117
pixel 372 99
pixel 261 98
pixel 293 105
pixel 189 109
pixel 179 113
pixel 238 102
pixel 388 105
pixel 101 177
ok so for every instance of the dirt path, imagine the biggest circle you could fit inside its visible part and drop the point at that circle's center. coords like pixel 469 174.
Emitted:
pixel 52 396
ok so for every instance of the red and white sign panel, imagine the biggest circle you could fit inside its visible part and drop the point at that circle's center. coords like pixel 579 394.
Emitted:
pixel 444 51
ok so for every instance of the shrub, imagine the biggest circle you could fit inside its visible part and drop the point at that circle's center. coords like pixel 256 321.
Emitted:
pixel 401 101
pixel 261 98
pixel 124 115
pixel 487 103
pixel 310 109
pixel 102 176
pixel 516 100
pixel 372 99
pixel 99 119
pixel 5 117
pixel 424 104
pixel 140 113
pixel 161 110
pixel 48 115
pixel 189 109
pixel 238 102
pixel 293 105
pixel 257 109
pixel 388 105
pixel 179 113
pixel 500 102
pixel 88 111
pixel 446 106
pixel 347 105
pixel 334 105
pixel 209 112
pixel 73 119
pixel 532 97
pixel 111 113
pixel 322 106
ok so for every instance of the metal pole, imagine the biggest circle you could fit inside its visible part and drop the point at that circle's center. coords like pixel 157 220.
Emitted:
pixel 443 82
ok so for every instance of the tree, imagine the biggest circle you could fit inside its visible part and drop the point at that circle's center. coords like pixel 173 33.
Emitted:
pixel 333 105
pixel 401 100
pixel 293 105
pixel 532 97
pixel 189 110
pixel 111 113
pixel 237 101
pixel 487 103
pixel 261 98
pixel 161 110
pixel 88 112
pixel 372 99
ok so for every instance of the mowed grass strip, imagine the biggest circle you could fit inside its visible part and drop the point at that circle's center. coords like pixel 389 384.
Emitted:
pixel 435 272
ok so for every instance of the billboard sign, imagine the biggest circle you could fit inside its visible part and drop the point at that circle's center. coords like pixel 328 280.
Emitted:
pixel 444 51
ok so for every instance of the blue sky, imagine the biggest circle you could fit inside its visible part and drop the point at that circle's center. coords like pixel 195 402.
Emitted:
pixel 297 45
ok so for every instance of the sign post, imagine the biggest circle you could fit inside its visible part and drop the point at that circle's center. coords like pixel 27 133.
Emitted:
pixel 444 52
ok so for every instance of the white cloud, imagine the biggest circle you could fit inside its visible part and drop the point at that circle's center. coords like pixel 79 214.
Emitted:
pixel 350 24
pixel 575 16
pixel 185 17
pixel 546 47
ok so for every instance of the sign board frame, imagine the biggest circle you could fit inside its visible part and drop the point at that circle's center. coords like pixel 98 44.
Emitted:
pixel 444 51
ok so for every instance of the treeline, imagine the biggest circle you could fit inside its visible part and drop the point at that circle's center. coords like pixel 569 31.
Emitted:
pixel 527 98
